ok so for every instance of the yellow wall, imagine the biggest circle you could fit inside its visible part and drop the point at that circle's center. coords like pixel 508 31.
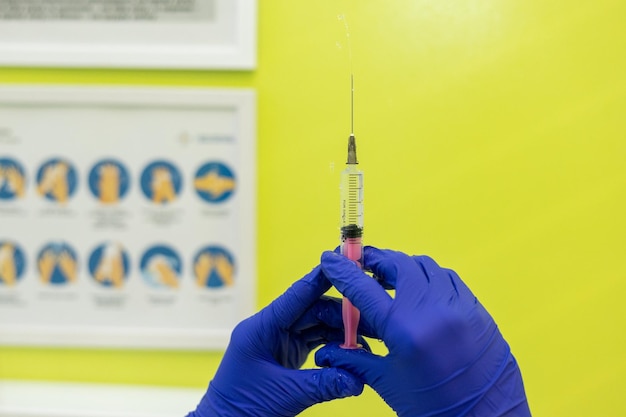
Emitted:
pixel 493 138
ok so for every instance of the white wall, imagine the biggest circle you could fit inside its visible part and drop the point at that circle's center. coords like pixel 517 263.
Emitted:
pixel 46 399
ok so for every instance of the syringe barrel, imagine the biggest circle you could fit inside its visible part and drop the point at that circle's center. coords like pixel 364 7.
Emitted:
pixel 351 245
pixel 351 188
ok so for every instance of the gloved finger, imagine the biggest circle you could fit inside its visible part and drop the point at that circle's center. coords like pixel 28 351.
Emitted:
pixel 326 384
pixel 324 337
pixel 321 336
pixel 327 311
pixel 444 283
pixel 463 290
pixel 370 255
pixel 364 292
pixel 398 270
pixel 440 283
pixel 359 362
pixel 370 252
pixel 386 285
pixel 287 308
pixel 382 282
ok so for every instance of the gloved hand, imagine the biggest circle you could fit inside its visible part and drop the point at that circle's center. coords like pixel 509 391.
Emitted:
pixel 259 374
pixel 446 355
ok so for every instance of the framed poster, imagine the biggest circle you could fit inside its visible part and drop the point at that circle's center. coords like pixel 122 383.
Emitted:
pixel 201 34
pixel 127 216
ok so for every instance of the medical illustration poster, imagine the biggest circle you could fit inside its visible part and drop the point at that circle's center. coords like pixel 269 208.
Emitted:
pixel 217 34
pixel 126 216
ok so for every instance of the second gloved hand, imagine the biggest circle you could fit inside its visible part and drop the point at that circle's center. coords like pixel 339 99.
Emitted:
pixel 259 375
pixel 446 356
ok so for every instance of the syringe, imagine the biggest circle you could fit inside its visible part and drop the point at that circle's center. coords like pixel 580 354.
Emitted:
pixel 351 233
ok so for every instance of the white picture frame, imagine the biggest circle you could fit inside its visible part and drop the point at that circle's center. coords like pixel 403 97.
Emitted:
pixel 203 34
pixel 199 132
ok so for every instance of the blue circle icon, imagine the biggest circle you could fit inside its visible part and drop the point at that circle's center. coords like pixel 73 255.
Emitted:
pixel 12 179
pixel 57 264
pixel 109 265
pixel 109 181
pixel 12 263
pixel 214 267
pixel 214 182
pixel 161 267
pixel 57 180
pixel 161 182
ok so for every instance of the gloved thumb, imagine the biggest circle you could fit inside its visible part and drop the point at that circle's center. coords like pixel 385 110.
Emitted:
pixel 328 384
pixel 358 362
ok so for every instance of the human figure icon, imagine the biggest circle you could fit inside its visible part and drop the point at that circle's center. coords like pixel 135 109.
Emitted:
pixel 12 179
pixel 161 182
pixel 214 267
pixel 109 264
pixel 161 267
pixel 56 180
pixel 162 186
pixel 57 264
pixel 12 263
pixel 109 181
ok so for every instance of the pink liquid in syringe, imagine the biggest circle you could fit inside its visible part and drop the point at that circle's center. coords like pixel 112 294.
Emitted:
pixel 352 249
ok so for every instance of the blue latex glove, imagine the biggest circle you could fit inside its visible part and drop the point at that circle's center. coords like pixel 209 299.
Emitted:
pixel 446 355
pixel 259 374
